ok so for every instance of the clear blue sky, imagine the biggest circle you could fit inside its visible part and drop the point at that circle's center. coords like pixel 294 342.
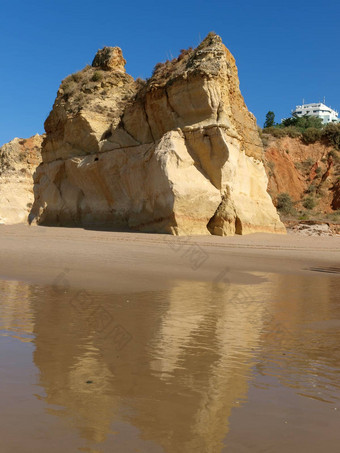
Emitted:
pixel 285 51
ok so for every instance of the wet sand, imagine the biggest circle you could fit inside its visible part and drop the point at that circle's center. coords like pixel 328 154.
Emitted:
pixel 153 343
pixel 197 367
pixel 123 261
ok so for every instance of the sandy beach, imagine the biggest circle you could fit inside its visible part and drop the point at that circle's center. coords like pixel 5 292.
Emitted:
pixel 123 261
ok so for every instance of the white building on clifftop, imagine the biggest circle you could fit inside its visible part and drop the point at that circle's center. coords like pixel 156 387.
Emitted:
pixel 319 110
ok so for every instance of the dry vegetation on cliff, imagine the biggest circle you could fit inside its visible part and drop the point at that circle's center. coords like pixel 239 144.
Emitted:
pixel 304 179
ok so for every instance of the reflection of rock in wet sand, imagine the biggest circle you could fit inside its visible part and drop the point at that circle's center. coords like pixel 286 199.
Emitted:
pixel 176 381
pixel 15 314
pixel 187 365
pixel 72 370
pixel 210 329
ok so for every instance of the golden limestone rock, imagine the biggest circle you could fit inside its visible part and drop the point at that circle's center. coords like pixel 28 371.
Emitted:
pixel 18 160
pixel 179 153
pixel 109 58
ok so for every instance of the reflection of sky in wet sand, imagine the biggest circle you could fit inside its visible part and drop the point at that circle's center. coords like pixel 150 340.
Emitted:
pixel 194 352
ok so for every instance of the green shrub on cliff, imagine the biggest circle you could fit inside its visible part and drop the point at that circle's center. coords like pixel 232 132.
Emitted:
pixel 309 203
pixel 311 135
pixel 309 128
pixel 292 132
pixel 274 131
pixel 97 76
pixel 284 203
pixel 279 132
pixel 302 122
pixel 331 133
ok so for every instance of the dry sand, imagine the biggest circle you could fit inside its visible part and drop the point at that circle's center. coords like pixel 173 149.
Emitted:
pixel 126 262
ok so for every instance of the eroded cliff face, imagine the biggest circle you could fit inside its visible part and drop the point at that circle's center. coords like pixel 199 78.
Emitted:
pixel 303 171
pixel 18 160
pixel 177 154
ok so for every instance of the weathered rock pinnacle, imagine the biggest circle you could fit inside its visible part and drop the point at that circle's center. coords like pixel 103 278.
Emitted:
pixel 109 58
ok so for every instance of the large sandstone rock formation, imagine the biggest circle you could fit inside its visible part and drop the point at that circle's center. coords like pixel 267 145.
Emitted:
pixel 18 160
pixel 178 154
